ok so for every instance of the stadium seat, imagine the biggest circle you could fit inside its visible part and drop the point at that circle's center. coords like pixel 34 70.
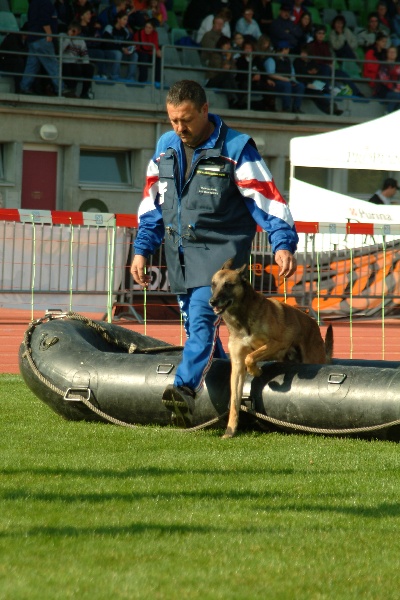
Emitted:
pixel 19 7
pixel 328 14
pixel 339 4
pixel 190 57
pixel 357 6
pixel 315 14
pixel 351 19
pixel 4 5
pixel 172 19
pixel 177 33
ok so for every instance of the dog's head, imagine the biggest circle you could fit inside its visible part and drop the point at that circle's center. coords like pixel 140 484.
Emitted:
pixel 227 286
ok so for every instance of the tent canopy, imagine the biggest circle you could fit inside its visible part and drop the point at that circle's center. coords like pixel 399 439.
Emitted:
pixel 371 145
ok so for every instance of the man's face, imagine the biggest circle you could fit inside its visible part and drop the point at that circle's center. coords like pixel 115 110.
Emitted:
pixel 190 124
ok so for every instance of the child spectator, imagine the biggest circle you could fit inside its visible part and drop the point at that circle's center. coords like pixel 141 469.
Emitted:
pixel 387 85
pixel 157 10
pixel 280 69
pixel 75 62
pixel 306 31
pixel 122 48
pixel 149 38
pixel 342 39
pixel 91 31
pixel 373 56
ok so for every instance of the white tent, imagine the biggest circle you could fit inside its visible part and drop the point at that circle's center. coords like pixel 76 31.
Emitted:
pixel 372 145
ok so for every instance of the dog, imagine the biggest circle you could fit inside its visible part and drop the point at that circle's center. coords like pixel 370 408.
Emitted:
pixel 262 329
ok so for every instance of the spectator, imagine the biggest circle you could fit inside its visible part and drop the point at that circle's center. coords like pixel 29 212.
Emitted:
pixel 157 10
pixel 75 62
pixel 385 195
pixel 396 26
pixel 257 80
pixel 366 37
pixel 297 11
pixel 388 81
pixel 284 30
pixel 247 25
pixel 108 14
pixel 373 56
pixel 320 50
pixel 263 15
pixel 80 5
pixel 42 19
pixel 383 18
pixel 280 69
pixel 210 38
pixel 13 55
pixel 65 14
pixel 237 45
pixel 224 76
pixel 149 38
pixel 91 31
pixel 306 31
pixel 122 48
pixel 208 21
pixel 342 39
pixel 309 74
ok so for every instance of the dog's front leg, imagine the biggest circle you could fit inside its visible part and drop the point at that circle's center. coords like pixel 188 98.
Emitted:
pixel 271 351
pixel 238 374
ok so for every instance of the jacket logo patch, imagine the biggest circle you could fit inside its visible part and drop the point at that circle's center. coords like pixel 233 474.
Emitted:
pixel 208 190
pixel 162 188
pixel 210 172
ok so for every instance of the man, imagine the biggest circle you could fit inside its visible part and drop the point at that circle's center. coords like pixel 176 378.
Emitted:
pixel 284 29
pixel 207 188
pixel 210 38
pixel 385 195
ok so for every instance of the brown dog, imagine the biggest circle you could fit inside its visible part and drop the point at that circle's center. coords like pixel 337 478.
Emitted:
pixel 262 329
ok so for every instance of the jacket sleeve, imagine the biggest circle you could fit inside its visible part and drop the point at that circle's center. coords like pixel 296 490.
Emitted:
pixel 151 227
pixel 264 201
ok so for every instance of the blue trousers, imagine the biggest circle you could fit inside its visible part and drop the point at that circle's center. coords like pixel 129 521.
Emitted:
pixel 202 343
pixel 41 53
pixel 291 93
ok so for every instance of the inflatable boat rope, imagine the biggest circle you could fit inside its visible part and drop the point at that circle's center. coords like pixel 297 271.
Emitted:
pixel 131 349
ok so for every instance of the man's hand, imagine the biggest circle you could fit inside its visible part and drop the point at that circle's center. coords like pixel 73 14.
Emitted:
pixel 138 269
pixel 287 262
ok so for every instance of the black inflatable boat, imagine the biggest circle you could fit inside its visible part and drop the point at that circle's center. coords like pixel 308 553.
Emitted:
pixel 96 371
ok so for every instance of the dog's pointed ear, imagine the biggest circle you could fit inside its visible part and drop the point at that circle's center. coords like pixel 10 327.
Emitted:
pixel 242 272
pixel 227 264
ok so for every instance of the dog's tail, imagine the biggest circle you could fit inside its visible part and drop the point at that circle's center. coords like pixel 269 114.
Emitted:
pixel 329 344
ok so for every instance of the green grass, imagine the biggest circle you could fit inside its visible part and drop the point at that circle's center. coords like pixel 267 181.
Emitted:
pixel 94 511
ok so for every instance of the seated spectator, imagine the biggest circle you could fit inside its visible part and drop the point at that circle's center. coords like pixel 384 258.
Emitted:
pixel 237 45
pixel 148 37
pixel 383 18
pixel 247 25
pixel 373 56
pixel 280 69
pixel 13 50
pixel 342 39
pixel 366 37
pixel 284 30
pixel 309 74
pixel 80 5
pixel 210 38
pixel 306 30
pixel 91 31
pixel 263 15
pixel 122 48
pixel 252 75
pixel 42 19
pixel 385 195
pixel 107 15
pixel 224 75
pixel 208 21
pixel 387 85
pixel 320 50
pixel 75 62
pixel 157 10
pixel 297 11
pixel 395 24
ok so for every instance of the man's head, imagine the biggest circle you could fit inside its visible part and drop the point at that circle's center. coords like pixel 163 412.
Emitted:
pixel 389 187
pixel 285 11
pixel 218 24
pixel 188 112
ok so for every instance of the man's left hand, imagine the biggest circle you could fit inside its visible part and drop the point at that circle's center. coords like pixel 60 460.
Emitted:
pixel 287 262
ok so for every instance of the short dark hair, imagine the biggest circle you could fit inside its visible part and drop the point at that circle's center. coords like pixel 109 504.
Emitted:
pixel 389 182
pixel 186 90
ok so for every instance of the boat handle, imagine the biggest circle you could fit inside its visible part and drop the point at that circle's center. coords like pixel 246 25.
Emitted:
pixel 165 369
pixel 77 391
pixel 337 378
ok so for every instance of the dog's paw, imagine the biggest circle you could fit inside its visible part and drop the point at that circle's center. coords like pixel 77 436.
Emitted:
pixel 254 370
pixel 229 433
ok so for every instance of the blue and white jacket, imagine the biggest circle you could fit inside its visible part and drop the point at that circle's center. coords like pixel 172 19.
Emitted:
pixel 213 215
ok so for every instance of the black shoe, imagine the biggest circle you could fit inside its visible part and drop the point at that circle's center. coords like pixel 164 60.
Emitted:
pixel 337 112
pixel 27 92
pixel 297 111
pixel 180 400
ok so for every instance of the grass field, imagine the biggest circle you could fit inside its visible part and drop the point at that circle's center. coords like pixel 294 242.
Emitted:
pixel 94 511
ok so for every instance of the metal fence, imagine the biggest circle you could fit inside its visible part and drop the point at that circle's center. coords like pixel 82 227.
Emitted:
pixel 180 61
pixel 81 262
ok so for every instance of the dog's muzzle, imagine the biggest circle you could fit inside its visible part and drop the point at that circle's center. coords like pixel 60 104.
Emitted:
pixel 219 307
